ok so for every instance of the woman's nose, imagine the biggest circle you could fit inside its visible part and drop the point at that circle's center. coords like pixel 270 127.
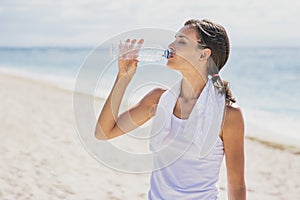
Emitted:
pixel 171 47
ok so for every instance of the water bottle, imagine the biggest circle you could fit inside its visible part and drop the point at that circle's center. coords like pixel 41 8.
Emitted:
pixel 147 54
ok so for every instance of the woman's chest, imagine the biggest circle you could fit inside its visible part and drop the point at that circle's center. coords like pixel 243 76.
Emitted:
pixel 183 109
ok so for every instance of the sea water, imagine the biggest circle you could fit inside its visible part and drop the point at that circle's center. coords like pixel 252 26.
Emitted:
pixel 265 81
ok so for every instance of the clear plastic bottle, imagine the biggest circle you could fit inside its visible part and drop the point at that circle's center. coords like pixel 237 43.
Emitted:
pixel 147 54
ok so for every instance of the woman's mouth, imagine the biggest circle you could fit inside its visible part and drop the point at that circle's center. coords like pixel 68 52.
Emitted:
pixel 171 55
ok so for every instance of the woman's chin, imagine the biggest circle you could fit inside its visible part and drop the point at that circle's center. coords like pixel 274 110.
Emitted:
pixel 170 64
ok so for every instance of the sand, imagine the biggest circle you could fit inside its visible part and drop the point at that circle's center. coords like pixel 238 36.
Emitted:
pixel 42 157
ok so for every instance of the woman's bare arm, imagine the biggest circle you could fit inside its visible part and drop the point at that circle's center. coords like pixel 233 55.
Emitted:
pixel 110 110
pixel 110 125
pixel 233 139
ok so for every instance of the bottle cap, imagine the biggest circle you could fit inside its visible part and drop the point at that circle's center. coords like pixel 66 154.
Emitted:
pixel 167 53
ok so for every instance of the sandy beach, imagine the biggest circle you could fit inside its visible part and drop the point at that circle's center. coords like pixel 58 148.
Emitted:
pixel 42 157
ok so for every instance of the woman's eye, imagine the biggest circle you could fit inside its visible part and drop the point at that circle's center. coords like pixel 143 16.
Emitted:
pixel 181 42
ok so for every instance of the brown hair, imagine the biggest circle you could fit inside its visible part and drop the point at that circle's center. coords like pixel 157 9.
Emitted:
pixel 214 37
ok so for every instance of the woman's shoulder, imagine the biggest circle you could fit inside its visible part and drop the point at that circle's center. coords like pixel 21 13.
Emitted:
pixel 233 119
pixel 233 110
pixel 153 96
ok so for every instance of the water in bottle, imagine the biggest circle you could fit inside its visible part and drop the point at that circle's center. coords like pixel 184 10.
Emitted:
pixel 147 54
pixel 153 54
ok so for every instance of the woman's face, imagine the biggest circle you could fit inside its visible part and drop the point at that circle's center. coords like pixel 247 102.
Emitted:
pixel 185 52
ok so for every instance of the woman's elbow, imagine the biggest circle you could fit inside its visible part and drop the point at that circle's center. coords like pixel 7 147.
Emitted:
pixel 100 134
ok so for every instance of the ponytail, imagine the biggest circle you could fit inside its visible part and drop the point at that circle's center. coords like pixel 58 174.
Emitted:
pixel 223 87
pixel 229 98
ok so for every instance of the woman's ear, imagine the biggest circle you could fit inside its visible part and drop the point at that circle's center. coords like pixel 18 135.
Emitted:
pixel 205 54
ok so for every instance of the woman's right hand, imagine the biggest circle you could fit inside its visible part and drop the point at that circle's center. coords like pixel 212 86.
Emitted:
pixel 127 60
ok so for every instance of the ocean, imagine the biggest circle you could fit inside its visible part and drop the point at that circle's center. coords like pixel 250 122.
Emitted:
pixel 265 81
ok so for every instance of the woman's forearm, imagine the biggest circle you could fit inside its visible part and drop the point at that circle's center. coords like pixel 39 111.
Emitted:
pixel 108 116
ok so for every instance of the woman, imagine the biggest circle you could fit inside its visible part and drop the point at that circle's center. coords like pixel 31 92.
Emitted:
pixel 199 51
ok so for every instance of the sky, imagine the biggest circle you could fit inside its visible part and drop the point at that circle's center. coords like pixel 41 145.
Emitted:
pixel 27 23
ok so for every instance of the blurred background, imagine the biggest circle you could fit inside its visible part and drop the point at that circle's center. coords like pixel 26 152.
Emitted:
pixel 47 41
pixel 87 23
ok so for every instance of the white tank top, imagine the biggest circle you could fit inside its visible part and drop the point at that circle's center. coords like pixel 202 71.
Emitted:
pixel 188 178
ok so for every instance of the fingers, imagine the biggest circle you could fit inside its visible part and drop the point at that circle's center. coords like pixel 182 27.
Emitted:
pixel 130 49
pixel 138 46
pixel 131 53
pixel 123 48
pixel 141 41
pixel 127 42
pixel 132 44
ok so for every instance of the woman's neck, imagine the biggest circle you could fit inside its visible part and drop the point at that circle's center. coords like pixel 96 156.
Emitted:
pixel 192 85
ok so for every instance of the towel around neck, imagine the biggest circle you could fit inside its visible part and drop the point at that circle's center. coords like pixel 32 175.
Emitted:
pixel 202 128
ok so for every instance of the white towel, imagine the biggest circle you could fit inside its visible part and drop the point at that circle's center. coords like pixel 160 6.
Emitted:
pixel 202 128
